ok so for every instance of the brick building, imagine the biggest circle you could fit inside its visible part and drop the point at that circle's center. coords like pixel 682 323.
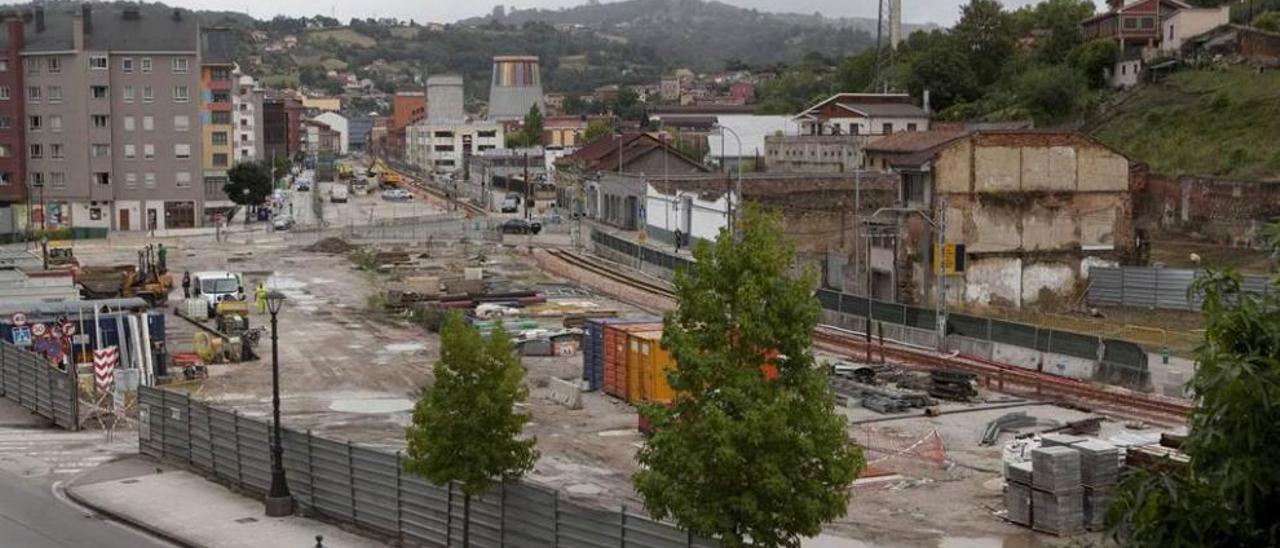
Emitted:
pixel 14 213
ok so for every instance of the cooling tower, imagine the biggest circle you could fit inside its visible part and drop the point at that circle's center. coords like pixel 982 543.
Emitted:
pixel 445 99
pixel 516 87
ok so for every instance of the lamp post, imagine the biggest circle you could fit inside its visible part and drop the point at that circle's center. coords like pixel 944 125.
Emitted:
pixel 738 186
pixel 279 502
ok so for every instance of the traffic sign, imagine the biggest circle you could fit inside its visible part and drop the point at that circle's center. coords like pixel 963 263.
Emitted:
pixel 22 336
pixel 68 329
pixel 39 330
pixel 18 318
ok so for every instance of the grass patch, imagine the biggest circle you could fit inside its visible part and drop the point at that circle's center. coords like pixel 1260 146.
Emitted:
pixel 1219 122
pixel 343 36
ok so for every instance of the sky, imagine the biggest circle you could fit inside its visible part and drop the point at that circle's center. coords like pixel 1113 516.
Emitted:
pixel 943 12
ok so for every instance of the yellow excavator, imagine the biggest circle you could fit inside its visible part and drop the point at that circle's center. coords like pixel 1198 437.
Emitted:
pixel 143 280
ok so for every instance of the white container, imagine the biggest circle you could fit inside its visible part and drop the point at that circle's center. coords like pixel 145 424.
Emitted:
pixel 473 273
pixel 196 309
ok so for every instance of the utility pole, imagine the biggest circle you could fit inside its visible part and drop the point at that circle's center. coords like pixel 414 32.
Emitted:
pixel 940 307
pixel 528 185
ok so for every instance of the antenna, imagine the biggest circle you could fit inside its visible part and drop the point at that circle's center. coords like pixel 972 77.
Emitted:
pixel 888 35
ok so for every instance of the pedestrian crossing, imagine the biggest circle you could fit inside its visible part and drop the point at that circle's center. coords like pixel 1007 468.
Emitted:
pixel 33 451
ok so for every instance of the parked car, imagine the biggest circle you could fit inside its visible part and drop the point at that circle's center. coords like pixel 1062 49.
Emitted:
pixel 303 186
pixel 511 204
pixel 282 222
pixel 338 194
pixel 520 226
pixel 396 195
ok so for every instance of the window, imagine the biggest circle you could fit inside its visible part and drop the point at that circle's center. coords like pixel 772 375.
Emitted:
pixel 148 94
pixel 1148 23
pixel 55 94
pixel 4 65
pixel 128 94
pixel 183 179
pixel 4 93
pixel 221 160
pixel 128 123
pixel 220 138
pixel 888 128
pixel 55 151
pixel 130 151
pixel 180 65
pixel 181 151
pixel 102 178
pixel 181 123
pixel 55 122
pixel 911 127
pixel 5 150
pixel 6 178
pixel 220 73
pixel 244 153
pixel 95 214
pixel 36 178
pixel 146 65
pixel 35 123
pixel 101 151
pixel 33 94
pixel 130 180
pixel 149 151
pixel 100 120
pixel 1170 36
pixel 221 97
pixel 54 65
pixel 6 122
pixel 57 179
pixel 220 118
pixel 1131 22
pixel 148 123
pixel 126 64
pixel 180 94
pixel 33 65
pixel 98 92
pixel 149 180
pixel 37 150
pixel 98 62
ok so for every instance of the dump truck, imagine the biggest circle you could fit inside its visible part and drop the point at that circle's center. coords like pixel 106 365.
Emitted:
pixel 143 280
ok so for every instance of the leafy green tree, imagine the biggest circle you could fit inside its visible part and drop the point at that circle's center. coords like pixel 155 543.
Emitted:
pixel 248 183
pixel 465 428
pixel 1230 492
pixel 985 34
pixel 1094 58
pixel 940 65
pixel 533 124
pixel 595 130
pixel 1269 21
pixel 1051 93
pixel 738 455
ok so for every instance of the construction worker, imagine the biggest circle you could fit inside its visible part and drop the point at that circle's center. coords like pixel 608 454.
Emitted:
pixel 186 284
pixel 679 237
pixel 162 256
pixel 260 295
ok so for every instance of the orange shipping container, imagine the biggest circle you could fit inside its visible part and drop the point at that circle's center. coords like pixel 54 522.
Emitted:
pixel 616 375
pixel 655 363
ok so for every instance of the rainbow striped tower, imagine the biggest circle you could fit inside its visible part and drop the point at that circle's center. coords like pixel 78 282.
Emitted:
pixel 517 85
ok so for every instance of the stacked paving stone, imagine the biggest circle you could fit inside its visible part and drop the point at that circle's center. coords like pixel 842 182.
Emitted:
pixel 1017 495
pixel 1057 499
pixel 1099 471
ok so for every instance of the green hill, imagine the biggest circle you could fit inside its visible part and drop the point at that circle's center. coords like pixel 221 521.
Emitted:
pixel 1219 122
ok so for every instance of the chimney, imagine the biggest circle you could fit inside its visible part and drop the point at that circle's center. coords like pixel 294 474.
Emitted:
pixel 39 18
pixel 925 106
pixel 88 18
pixel 177 14
pixel 77 30
pixel 16 32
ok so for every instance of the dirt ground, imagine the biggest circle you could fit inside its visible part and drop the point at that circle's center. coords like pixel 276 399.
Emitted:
pixel 352 373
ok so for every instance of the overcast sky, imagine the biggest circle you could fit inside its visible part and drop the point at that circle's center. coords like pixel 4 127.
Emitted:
pixel 942 12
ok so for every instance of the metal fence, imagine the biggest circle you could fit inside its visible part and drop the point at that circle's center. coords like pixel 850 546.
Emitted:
pixel 30 381
pixel 405 229
pixel 369 488
pixel 642 253
pixel 1163 288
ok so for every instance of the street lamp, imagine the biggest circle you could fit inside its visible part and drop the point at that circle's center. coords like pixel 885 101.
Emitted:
pixel 738 187
pixel 279 502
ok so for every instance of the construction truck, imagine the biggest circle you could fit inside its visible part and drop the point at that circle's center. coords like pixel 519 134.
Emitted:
pixel 391 179
pixel 143 280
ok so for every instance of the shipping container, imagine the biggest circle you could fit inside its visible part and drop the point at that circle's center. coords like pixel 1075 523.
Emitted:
pixel 654 362
pixel 616 375
pixel 593 347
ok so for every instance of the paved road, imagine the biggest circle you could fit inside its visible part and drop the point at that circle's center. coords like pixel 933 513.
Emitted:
pixel 32 517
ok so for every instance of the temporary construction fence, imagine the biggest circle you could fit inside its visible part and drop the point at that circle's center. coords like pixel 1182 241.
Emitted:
pixel 405 229
pixel 369 488
pixel 30 381
pixel 1163 288
pixel 1117 362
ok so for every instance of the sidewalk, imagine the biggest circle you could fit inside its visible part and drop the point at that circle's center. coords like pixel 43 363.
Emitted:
pixel 188 510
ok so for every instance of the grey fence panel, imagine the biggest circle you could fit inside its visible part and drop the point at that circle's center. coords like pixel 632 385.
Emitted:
pixel 66 412
pixel 297 465
pixel 969 326
pixel 486 518
pixel 530 516
pixel 331 478
pixel 642 532
pixel 850 304
pixel 1013 333
pixel 226 446
pixel 1140 287
pixel 27 390
pixel 375 478
pixel 888 312
pixel 920 318
pixel 424 515
pixel 1106 286
pixel 1074 344
pixel 1171 289
pixel 581 527
pixel 177 420
pixel 201 436
pixel 44 401
pixel 151 417
pixel 254 439
pixel 829 300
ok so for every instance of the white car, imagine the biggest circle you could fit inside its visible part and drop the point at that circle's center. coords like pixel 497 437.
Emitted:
pixel 396 195
pixel 282 222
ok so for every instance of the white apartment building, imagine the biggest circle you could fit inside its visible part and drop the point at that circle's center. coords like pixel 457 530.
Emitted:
pixel 445 147
pixel 247 108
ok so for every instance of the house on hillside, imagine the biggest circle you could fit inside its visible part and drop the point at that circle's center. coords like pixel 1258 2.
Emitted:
pixel 612 170
pixel 1147 29
pixel 1033 209
pixel 832 132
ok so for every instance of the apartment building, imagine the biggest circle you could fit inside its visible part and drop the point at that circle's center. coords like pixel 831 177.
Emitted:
pixel 247 105
pixel 281 125
pixel 446 147
pixel 14 213
pixel 110 114
pixel 217 113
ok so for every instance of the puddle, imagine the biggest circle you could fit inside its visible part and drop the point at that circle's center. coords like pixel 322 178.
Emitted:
pixel 405 347
pixel 615 433
pixel 371 406
pixel 584 489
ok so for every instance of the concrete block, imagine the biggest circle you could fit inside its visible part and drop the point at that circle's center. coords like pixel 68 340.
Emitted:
pixel 969 347
pixel 1069 366
pixel 1017 356
pixel 566 393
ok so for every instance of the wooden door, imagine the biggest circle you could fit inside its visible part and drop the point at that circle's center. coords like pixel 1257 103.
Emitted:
pixel 124 219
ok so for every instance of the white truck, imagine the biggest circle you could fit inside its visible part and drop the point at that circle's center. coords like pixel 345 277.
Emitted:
pixel 338 193
pixel 214 286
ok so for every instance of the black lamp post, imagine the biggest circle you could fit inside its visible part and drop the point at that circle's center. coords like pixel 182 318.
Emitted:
pixel 279 501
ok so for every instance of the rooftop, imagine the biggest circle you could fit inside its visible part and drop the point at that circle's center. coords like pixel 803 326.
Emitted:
pixel 614 151
pixel 913 141
pixel 110 27
pixel 765 186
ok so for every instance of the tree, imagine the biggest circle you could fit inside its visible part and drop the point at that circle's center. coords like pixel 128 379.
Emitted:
pixel 533 123
pixel 1230 491
pixel 465 427
pixel 742 454
pixel 1094 58
pixel 1050 93
pixel 939 65
pixel 248 183
pixel 1269 21
pixel 986 36
pixel 595 130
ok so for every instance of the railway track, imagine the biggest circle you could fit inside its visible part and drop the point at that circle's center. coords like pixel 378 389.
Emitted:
pixel 998 377
pixel 413 182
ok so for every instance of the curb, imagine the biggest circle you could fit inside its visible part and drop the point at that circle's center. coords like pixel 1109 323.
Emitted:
pixel 126 520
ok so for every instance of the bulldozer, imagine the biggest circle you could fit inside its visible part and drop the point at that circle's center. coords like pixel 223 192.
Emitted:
pixel 143 280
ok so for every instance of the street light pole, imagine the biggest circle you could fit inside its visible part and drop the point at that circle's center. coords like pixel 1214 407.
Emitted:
pixel 738 187
pixel 279 502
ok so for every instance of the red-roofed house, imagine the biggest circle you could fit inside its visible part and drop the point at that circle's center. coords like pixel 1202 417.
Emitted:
pixel 1141 27
pixel 612 169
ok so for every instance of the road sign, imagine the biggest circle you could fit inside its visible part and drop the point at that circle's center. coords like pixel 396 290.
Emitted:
pixel 39 330
pixel 68 329
pixel 952 256
pixel 18 319
pixel 22 336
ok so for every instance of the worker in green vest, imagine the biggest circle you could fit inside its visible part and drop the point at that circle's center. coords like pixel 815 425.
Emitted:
pixel 260 295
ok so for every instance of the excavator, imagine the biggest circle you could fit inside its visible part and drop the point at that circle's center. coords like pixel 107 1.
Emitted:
pixel 143 280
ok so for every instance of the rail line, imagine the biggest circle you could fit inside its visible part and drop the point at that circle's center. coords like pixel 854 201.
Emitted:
pixel 413 182
pixel 998 377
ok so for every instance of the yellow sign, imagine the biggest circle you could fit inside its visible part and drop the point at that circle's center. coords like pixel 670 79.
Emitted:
pixel 952 257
